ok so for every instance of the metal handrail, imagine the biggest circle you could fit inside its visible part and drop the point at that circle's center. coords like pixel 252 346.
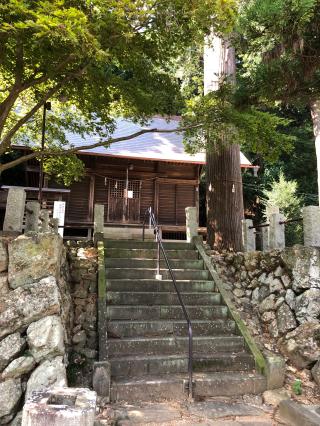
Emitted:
pixel 160 247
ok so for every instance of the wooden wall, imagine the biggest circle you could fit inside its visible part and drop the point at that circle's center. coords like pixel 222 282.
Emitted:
pixel 167 187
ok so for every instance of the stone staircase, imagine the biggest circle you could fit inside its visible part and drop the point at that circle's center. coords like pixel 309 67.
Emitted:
pixel 147 332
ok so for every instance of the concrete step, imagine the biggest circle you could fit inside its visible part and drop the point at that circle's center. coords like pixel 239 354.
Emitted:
pixel 172 386
pixel 163 298
pixel 159 285
pixel 134 366
pixel 179 274
pixel 229 384
pixel 173 345
pixel 152 263
pixel 144 312
pixel 149 253
pixel 151 388
pixel 135 244
pixel 167 328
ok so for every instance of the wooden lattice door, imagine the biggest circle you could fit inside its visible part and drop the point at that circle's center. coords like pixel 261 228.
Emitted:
pixel 124 201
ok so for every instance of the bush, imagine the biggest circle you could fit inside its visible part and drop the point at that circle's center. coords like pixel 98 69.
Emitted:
pixel 283 194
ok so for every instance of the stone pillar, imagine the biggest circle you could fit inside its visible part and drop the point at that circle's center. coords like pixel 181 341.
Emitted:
pixel 311 226
pixel 248 235
pixel 98 221
pixel 44 220
pixel 191 222
pixel 14 210
pixel 60 406
pixel 32 216
pixel 276 231
pixel 101 380
pixel 265 238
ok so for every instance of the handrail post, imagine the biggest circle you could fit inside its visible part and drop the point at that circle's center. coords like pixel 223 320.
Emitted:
pixel 158 276
pixel 190 387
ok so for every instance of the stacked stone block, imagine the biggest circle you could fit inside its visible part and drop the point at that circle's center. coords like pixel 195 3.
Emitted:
pixel 83 276
pixel 278 293
pixel 34 319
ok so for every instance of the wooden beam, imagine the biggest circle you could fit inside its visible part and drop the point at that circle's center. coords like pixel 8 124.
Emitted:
pixel 91 197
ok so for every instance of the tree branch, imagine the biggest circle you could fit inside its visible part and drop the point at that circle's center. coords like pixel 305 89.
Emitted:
pixel 5 143
pixel 55 153
pixel 20 86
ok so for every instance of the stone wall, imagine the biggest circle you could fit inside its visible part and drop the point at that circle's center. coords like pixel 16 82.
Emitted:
pixel 35 318
pixel 278 294
pixel 82 259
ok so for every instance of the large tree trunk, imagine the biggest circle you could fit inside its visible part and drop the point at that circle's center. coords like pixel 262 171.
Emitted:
pixel 315 115
pixel 223 172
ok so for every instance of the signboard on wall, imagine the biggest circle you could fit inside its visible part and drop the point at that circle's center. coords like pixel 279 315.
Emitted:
pixel 59 210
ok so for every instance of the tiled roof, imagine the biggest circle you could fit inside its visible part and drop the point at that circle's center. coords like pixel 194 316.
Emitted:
pixel 149 146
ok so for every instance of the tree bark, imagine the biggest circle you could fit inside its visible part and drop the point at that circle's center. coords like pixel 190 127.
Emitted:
pixel 223 172
pixel 315 115
pixel 224 198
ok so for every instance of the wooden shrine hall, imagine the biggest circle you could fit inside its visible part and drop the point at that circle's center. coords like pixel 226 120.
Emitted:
pixel 128 177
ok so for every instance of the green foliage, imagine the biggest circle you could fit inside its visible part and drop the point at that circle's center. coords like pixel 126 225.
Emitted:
pixel 279 40
pixel 283 194
pixel 95 60
pixel 65 170
pixel 254 129
pixel 302 157
pixel 297 387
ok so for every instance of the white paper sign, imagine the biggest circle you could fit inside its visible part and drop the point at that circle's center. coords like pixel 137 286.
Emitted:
pixel 59 209
pixel 130 194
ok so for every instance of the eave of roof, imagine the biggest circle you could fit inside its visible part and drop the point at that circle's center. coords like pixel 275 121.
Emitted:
pixel 155 146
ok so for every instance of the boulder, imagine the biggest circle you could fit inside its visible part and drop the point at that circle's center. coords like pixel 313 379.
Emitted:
pixel 268 316
pixel 10 391
pixel 47 375
pixel 34 257
pixel 3 255
pixel 238 293
pixel 268 304
pixel 17 421
pixel 18 367
pixel 10 347
pixel 308 306
pixel 278 272
pixel 302 345
pixel 279 302
pixel 275 396
pixel 25 305
pixel 4 287
pixel 273 329
pixel 45 338
pixel 291 298
pixel 275 286
pixel 285 319
pixel 286 281
pixel 316 372
pixel 305 265
pixel 79 337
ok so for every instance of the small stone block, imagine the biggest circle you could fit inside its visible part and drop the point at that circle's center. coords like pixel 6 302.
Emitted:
pixel 275 371
pixel 191 222
pixel 101 379
pixel 248 236
pixel 32 216
pixel 311 226
pixel 60 407
pixel 276 231
pixel 299 415
pixel 98 223
pixel 14 210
